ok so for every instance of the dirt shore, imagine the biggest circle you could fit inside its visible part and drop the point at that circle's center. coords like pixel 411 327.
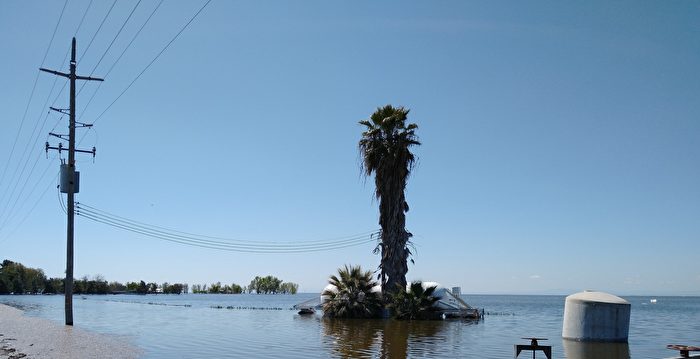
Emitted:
pixel 36 338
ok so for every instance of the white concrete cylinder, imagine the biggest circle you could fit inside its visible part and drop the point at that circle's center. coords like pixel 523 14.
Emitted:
pixel 596 317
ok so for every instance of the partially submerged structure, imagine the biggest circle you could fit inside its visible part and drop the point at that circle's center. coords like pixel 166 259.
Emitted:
pixel 450 304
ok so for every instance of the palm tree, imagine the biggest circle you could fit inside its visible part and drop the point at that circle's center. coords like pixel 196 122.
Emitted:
pixel 350 294
pixel 385 150
pixel 415 303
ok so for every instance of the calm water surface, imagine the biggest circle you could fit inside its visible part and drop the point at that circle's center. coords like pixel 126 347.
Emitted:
pixel 191 326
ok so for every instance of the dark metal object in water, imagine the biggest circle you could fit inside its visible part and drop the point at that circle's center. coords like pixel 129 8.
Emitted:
pixel 684 350
pixel 534 347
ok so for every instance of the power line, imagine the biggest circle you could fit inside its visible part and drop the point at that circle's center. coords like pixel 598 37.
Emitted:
pixel 98 30
pixel 228 245
pixel 110 44
pixel 25 183
pixel 65 57
pixel 60 200
pixel 114 64
pixel 27 151
pixel 89 208
pixel 19 179
pixel 154 59
pixel 10 234
pixel 120 57
pixel 214 246
pixel 81 21
pixel 31 97
pixel 224 241
pixel 29 143
pixel 12 214
pixel 19 195
pixel 24 167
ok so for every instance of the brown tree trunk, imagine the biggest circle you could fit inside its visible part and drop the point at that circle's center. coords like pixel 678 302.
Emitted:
pixel 392 219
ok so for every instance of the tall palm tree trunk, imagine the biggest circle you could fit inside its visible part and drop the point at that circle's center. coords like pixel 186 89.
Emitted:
pixel 392 208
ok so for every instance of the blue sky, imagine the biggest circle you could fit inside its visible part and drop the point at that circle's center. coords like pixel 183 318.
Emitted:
pixel 560 140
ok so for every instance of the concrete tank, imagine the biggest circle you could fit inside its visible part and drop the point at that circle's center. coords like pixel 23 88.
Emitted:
pixel 596 317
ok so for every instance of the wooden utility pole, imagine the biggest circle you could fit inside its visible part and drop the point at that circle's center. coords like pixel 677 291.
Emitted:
pixel 70 188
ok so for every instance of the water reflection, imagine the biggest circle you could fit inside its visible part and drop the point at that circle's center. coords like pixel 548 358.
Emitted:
pixel 352 338
pixel 582 350
pixel 348 338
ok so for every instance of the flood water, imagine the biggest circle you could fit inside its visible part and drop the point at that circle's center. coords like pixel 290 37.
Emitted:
pixel 215 326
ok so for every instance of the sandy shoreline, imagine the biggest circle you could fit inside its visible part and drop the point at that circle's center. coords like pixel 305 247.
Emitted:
pixel 28 337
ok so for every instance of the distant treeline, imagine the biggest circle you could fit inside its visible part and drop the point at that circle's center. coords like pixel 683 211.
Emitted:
pixel 259 285
pixel 98 285
pixel 15 278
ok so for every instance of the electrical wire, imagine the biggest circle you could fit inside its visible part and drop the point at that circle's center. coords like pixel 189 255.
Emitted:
pixel 65 57
pixel 97 31
pixel 229 244
pixel 24 167
pixel 99 85
pixel 214 246
pixel 60 200
pixel 234 243
pixel 84 52
pixel 154 60
pixel 34 130
pixel 110 45
pixel 14 204
pixel 11 214
pixel 82 19
pixel 11 233
pixel 89 208
pixel 221 246
pixel 35 133
pixel 31 95
pixel 32 136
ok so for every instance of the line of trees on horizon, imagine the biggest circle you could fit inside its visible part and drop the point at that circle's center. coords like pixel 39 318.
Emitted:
pixel 259 285
pixel 15 278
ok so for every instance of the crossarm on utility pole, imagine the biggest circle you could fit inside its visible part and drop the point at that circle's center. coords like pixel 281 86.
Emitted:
pixel 55 72
pixel 88 78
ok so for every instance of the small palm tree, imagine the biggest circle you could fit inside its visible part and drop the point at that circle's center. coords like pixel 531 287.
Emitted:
pixel 350 294
pixel 415 303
